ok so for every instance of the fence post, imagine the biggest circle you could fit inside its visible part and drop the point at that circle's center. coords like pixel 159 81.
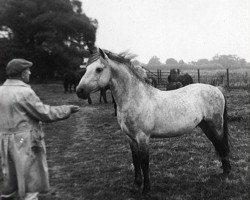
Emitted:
pixel 199 78
pixel 228 78
pixel 159 75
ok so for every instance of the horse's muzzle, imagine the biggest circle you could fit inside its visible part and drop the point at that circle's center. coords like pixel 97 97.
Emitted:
pixel 82 94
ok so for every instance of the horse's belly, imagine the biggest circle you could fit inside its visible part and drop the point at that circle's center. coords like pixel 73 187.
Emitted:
pixel 172 129
pixel 165 135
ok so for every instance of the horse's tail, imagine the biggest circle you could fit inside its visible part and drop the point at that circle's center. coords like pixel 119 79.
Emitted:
pixel 222 144
pixel 226 166
pixel 226 139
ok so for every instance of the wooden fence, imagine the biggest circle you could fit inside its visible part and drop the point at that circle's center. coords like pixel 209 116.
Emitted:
pixel 226 77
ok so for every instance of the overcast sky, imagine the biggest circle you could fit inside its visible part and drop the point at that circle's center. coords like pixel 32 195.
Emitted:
pixel 180 29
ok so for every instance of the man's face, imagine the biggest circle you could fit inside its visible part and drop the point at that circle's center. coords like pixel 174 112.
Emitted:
pixel 26 75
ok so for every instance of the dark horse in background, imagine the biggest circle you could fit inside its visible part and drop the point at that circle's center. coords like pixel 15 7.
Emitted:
pixel 175 80
pixel 71 80
pixel 104 97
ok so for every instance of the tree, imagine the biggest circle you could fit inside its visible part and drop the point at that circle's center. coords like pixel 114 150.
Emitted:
pixel 181 62
pixel 154 61
pixel 49 33
pixel 242 62
pixel 203 61
pixel 171 61
pixel 192 63
pixel 227 61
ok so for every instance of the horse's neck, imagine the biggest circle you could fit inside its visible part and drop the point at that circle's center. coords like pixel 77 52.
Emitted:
pixel 123 84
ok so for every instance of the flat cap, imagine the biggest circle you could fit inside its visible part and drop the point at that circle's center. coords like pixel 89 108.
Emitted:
pixel 16 66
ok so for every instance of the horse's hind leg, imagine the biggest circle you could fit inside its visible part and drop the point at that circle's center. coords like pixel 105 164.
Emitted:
pixel 219 138
pixel 89 99
pixel 136 162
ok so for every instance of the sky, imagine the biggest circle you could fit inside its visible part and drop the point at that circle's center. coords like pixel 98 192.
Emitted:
pixel 181 29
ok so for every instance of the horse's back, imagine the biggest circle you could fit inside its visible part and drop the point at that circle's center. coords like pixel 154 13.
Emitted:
pixel 206 98
pixel 197 96
pixel 200 91
pixel 198 87
pixel 178 111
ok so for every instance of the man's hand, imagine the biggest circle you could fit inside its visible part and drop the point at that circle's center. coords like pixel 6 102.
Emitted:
pixel 74 108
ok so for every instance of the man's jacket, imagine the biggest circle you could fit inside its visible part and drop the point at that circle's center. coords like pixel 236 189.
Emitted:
pixel 22 146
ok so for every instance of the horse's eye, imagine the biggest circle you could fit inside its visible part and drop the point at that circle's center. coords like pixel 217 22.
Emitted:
pixel 99 70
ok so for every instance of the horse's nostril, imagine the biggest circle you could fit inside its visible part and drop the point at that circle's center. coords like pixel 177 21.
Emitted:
pixel 81 93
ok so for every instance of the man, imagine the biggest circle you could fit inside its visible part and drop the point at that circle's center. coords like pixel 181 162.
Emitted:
pixel 22 147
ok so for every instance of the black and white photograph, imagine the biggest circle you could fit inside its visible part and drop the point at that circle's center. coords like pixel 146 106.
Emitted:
pixel 124 99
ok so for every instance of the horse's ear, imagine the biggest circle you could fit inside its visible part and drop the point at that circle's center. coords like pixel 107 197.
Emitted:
pixel 103 55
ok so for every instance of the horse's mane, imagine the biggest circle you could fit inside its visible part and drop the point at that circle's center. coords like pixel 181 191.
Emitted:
pixel 126 59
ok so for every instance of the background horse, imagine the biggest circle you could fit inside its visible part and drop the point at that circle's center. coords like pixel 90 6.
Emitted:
pixel 175 76
pixel 104 97
pixel 71 80
pixel 145 112
pixel 173 85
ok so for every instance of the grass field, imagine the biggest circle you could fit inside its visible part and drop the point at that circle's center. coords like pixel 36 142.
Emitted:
pixel 89 158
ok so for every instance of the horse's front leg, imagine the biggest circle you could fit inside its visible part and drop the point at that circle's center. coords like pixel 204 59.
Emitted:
pixel 103 95
pixel 136 162
pixel 143 142
pixel 114 103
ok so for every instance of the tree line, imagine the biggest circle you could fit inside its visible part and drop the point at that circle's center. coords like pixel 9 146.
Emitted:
pixel 52 34
pixel 218 61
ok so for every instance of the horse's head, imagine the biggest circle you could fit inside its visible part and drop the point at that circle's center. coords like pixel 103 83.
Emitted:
pixel 97 74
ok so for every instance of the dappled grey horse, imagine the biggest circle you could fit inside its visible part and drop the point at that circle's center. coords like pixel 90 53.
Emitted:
pixel 145 112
